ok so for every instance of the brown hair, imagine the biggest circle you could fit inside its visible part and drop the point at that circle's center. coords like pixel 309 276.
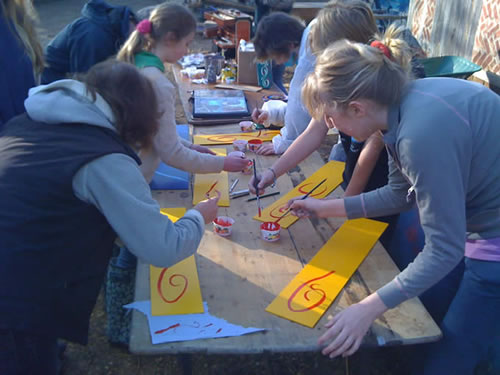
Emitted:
pixel 276 34
pixel 165 18
pixel 131 97
pixel 347 71
pixel 342 19
pixel 23 17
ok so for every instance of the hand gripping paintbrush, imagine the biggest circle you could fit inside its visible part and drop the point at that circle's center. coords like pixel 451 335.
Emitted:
pixel 304 197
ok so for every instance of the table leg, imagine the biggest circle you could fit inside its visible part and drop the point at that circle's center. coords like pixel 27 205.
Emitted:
pixel 185 360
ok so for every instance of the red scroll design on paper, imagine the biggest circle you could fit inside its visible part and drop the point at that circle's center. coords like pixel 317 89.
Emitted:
pixel 228 138
pixel 312 288
pixel 172 283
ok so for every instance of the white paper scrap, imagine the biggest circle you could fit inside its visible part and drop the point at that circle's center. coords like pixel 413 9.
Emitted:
pixel 172 328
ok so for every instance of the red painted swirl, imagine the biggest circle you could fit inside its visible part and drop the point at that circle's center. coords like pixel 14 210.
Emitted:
pixel 172 283
pixel 313 287
pixel 315 194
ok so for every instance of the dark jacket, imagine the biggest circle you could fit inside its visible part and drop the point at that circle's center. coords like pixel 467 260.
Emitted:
pixel 16 72
pixel 54 247
pixel 90 39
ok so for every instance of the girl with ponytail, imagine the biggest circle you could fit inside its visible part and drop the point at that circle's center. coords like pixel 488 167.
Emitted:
pixel 442 135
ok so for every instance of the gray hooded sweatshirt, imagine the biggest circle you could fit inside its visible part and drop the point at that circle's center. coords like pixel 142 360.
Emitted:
pixel 114 183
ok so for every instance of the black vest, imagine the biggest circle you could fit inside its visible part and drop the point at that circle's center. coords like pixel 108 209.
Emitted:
pixel 54 248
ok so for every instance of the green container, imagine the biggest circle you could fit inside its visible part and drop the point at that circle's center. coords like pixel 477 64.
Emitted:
pixel 449 66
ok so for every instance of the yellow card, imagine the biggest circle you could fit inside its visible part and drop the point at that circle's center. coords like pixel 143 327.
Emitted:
pixel 306 298
pixel 227 139
pixel 175 290
pixel 332 171
pixel 204 183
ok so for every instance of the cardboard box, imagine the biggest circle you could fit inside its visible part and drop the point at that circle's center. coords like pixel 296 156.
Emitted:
pixel 247 70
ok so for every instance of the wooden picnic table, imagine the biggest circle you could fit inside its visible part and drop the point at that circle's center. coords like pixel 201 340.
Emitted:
pixel 242 274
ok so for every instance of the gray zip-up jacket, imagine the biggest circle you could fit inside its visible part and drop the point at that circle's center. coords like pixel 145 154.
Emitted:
pixel 114 183
pixel 444 142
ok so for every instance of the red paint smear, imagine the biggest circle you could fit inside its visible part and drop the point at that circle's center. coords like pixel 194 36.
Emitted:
pixel 220 329
pixel 302 190
pixel 208 325
pixel 171 282
pixel 211 187
pixel 306 294
pixel 226 138
pixel 281 210
pixel 166 329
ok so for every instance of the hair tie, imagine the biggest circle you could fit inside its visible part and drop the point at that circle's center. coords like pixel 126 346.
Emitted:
pixel 381 46
pixel 144 27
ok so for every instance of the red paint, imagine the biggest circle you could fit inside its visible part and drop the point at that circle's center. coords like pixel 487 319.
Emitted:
pixel 226 138
pixel 222 222
pixel 281 210
pixel 220 329
pixel 211 187
pixel 306 294
pixel 166 329
pixel 302 190
pixel 208 325
pixel 171 282
pixel 269 225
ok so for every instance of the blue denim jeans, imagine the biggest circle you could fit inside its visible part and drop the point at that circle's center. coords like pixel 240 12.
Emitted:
pixel 471 324
pixel 23 353
pixel 125 259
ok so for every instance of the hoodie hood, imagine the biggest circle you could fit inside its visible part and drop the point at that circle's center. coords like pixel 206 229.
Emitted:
pixel 115 18
pixel 68 101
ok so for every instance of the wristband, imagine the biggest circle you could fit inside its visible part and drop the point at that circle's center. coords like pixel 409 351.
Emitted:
pixel 274 176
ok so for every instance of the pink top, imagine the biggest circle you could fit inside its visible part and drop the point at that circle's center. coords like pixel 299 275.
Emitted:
pixel 483 249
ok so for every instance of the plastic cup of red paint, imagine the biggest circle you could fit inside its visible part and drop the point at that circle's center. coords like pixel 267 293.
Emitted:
pixel 223 226
pixel 254 144
pixel 270 231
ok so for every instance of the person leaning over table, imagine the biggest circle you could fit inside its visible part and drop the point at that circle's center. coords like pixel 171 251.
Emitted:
pixel 162 38
pixel 70 183
pixel 442 134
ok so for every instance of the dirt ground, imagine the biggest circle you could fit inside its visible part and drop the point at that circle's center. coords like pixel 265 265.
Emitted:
pixel 99 357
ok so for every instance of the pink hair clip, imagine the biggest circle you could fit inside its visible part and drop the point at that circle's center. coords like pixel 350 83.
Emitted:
pixel 144 27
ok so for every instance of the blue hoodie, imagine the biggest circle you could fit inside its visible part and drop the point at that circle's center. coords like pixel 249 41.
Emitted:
pixel 88 40
pixel 16 72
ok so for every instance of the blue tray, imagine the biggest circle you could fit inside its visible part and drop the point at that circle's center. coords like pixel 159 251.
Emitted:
pixel 169 178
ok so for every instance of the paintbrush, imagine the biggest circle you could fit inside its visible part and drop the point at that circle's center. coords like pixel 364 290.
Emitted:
pixel 304 197
pixel 211 187
pixel 256 184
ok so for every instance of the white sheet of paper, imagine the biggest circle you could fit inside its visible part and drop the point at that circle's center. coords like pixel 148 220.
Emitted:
pixel 171 328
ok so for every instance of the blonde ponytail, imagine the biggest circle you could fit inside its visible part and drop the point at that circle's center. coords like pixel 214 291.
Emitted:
pixel 135 43
pixel 347 71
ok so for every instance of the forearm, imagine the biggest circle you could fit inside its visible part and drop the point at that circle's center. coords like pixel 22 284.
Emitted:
pixel 333 208
pixel 302 147
pixel 365 165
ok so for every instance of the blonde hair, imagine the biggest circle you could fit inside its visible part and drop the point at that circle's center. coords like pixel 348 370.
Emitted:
pixel 23 16
pixel 342 19
pixel 347 71
pixel 165 18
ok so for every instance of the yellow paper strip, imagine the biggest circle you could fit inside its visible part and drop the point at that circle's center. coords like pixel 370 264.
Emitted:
pixel 227 139
pixel 203 183
pixel 306 298
pixel 332 171
pixel 175 290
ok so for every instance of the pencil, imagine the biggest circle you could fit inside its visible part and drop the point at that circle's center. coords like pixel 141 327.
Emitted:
pixel 304 197
pixel 264 196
